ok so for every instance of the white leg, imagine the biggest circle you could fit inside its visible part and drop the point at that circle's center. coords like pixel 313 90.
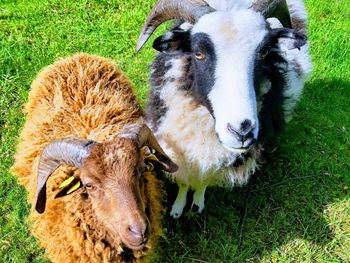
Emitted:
pixel 198 199
pixel 180 202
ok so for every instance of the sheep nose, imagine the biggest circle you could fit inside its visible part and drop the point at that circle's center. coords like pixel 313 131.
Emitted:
pixel 138 233
pixel 244 133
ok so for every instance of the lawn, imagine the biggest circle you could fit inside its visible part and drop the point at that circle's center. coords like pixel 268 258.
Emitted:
pixel 297 210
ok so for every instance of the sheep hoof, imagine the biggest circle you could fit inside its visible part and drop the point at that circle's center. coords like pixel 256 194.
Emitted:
pixel 197 208
pixel 180 202
pixel 178 207
pixel 198 200
pixel 176 211
pixel 175 215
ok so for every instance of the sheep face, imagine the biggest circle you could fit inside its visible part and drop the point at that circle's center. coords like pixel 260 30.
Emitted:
pixel 112 176
pixel 225 50
pixel 234 39
pixel 111 173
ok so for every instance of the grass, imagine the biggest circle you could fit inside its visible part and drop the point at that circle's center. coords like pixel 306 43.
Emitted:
pixel 299 206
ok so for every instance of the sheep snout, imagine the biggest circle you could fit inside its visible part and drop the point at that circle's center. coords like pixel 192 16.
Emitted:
pixel 244 135
pixel 136 233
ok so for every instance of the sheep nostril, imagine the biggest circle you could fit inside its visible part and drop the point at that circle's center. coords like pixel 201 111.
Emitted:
pixel 246 126
pixel 135 232
pixel 244 133
pixel 138 232
pixel 232 130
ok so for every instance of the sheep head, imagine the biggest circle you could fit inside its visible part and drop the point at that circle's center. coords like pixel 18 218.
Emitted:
pixel 226 50
pixel 111 175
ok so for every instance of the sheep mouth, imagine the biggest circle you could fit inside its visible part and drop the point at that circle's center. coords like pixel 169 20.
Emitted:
pixel 136 246
pixel 244 146
pixel 239 149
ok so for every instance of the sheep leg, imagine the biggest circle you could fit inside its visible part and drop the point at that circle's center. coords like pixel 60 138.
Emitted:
pixel 180 202
pixel 198 199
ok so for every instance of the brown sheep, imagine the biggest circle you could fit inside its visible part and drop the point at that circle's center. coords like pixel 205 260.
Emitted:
pixel 82 114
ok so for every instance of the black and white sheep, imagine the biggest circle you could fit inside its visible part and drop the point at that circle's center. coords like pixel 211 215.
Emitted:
pixel 224 83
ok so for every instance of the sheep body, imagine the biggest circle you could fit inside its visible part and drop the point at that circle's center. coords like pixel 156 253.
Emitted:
pixel 82 96
pixel 182 118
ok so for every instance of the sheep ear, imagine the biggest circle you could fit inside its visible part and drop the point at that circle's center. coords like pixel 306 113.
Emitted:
pixel 163 159
pixel 144 137
pixel 70 151
pixel 165 163
pixel 158 164
pixel 173 41
pixel 287 39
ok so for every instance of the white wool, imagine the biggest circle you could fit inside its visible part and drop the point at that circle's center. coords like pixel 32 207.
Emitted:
pixel 188 132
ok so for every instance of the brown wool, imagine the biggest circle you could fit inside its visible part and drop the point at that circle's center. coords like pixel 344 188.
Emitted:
pixel 89 97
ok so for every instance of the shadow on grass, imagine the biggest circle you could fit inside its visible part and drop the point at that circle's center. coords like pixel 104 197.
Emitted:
pixel 288 197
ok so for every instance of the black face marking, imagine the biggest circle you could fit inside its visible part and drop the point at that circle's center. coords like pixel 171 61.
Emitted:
pixel 270 65
pixel 203 69
pixel 268 53
pixel 200 73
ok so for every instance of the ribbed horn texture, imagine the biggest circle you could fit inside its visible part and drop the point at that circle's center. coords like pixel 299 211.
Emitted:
pixel 274 8
pixel 70 151
pixel 188 10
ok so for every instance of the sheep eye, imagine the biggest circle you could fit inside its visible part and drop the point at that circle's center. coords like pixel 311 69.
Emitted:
pixel 199 55
pixel 88 186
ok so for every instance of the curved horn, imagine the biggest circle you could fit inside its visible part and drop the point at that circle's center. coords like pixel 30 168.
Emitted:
pixel 189 10
pixel 144 136
pixel 274 8
pixel 70 151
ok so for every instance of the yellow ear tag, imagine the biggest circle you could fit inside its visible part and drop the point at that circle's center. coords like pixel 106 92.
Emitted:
pixel 66 182
pixel 151 157
pixel 74 187
pixel 68 186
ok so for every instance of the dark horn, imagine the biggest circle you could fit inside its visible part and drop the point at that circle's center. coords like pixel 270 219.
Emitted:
pixel 274 8
pixel 188 10
pixel 70 151
pixel 144 136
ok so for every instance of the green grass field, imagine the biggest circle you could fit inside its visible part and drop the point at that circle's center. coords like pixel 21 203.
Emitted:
pixel 299 207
